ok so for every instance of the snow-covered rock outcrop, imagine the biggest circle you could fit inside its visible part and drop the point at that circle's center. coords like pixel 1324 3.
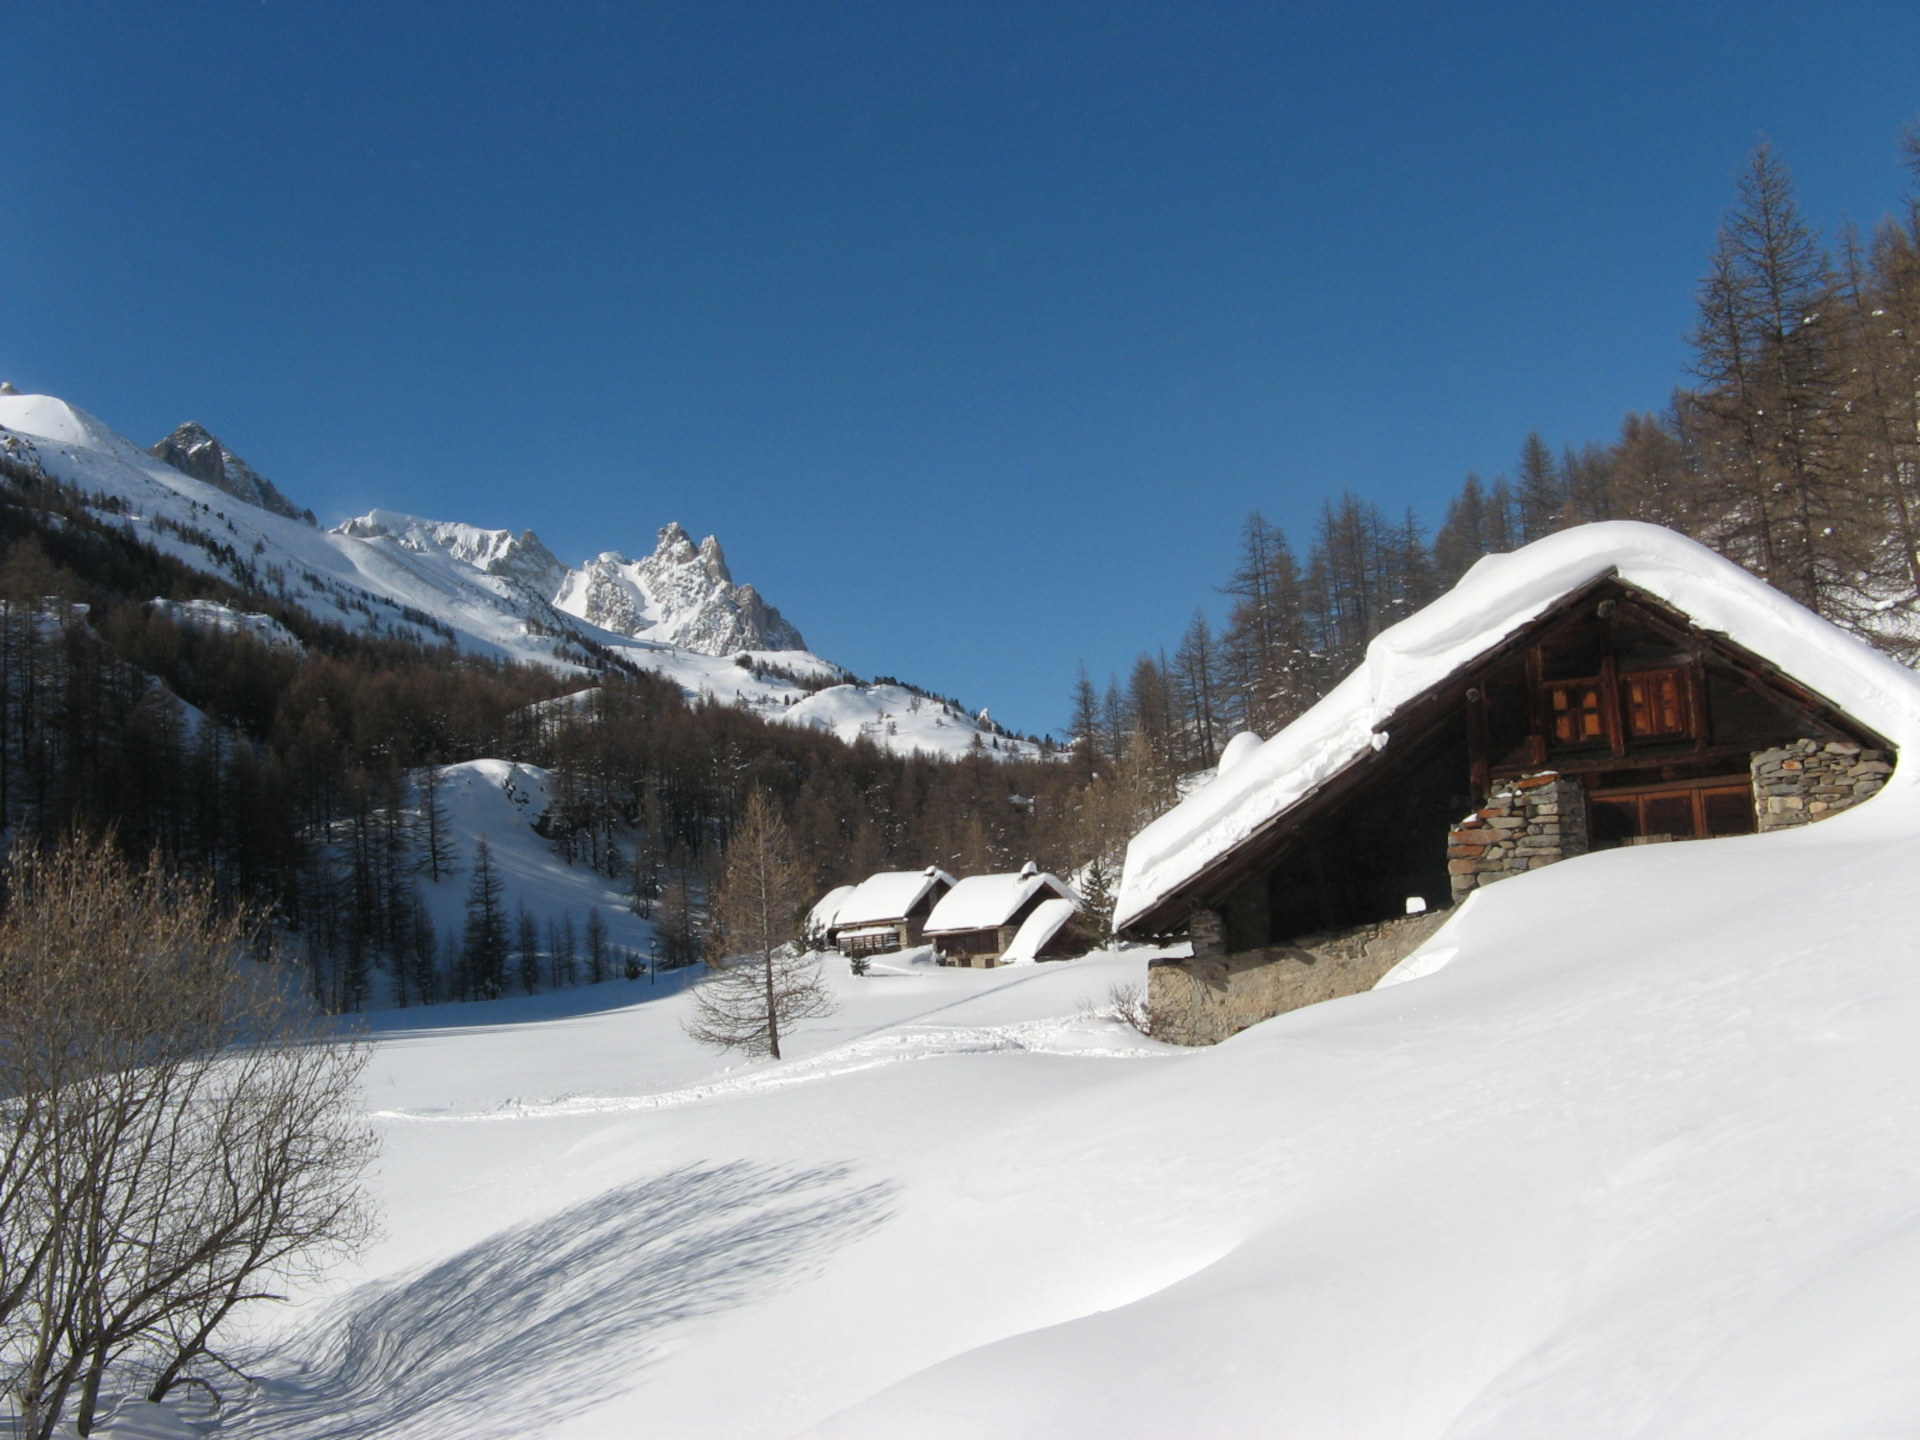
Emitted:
pixel 519 557
pixel 191 450
pixel 681 594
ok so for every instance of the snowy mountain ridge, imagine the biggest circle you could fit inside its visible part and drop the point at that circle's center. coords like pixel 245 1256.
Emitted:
pixel 682 594
pixel 496 592
pixel 191 450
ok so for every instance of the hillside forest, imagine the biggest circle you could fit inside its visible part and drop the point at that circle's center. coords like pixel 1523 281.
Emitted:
pixel 304 781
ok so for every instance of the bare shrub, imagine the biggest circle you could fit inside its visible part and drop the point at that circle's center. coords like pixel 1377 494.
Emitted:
pixel 1128 1004
pixel 178 1132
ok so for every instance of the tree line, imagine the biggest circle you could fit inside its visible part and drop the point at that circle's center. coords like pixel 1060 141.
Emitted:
pixel 1793 449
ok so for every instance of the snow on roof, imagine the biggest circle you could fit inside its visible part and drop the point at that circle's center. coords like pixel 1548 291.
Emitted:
pixel 981 902
pixel 1046 921
pixel 889 895
pixel 1498 596
pixel 826 909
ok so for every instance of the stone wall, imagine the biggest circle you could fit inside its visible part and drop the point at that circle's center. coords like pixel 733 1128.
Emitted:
pixel 1525 825
pixel 1812 779
pixel 1203 1000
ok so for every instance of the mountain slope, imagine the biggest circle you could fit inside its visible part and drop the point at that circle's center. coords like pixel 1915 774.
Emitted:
pixel 492 592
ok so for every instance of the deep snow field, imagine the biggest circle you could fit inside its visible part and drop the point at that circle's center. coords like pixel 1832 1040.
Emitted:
pixel 1633 1154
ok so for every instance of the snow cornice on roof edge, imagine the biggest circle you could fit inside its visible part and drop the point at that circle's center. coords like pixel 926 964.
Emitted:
pixel 1497 597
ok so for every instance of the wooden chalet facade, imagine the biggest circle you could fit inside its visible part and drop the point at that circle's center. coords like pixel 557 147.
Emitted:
pixel 1610 718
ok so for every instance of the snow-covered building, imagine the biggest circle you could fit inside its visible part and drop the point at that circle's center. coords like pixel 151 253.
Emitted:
pixel 982 920
pixel 819 923
pixel 888 911
pixel 1615 684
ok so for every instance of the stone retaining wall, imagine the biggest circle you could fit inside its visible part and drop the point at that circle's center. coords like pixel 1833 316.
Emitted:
pixel 1203 1000
pixel 1812 779
pixel 1525 825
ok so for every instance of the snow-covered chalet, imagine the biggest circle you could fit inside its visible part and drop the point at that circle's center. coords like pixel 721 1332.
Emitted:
pixel 887 912
pixel 1615 684
pixel 986 920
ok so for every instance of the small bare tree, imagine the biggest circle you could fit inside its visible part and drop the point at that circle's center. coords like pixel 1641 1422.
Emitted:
pixel 766 983
pixel 180 1132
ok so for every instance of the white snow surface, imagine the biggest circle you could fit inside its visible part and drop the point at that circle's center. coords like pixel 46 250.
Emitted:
pixel 981 902
pixel 826 909
pixel 1635 1162
pixel 897 718
pixel 887 896
pixel 1046 921
pixel 490 591
pixel 1497 596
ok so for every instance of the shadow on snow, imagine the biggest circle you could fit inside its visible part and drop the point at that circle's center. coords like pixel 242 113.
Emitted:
pixel 547 1319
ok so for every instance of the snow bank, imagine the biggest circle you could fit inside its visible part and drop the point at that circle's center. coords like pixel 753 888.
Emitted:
pixel 1496 597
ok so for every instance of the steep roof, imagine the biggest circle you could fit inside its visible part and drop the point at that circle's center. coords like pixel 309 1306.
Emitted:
pixel 890 895
pixel 1495 599
pixel 826 910
pixel 1049 917
pixel 981 902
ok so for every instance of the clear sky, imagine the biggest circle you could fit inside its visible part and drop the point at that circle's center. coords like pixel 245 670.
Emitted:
pixel 973 330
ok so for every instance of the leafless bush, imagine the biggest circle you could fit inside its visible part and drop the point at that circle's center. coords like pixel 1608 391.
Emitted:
pixel 178 1133
pixel 1128 1004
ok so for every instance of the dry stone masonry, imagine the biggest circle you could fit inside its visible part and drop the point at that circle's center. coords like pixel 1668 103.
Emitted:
pixel 1812 779
pixel 1526 824
pixel 1203 1000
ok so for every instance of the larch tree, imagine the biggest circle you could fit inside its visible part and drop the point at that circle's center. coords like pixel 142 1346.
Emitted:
pixel 765 983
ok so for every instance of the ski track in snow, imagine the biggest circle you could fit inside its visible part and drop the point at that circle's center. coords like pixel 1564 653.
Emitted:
pixel 888 1046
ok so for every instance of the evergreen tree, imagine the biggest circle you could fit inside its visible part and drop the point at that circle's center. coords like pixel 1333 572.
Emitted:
pixel 1541 493
pixel 484 953
pixel 526 949
pixel 596 946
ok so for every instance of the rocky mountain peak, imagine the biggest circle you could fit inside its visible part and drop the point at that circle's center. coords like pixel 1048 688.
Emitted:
pixel 681 593
pixel 193 450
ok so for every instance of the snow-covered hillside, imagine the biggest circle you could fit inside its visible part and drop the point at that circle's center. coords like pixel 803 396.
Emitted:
pixel 1621 1152
pixel 496 592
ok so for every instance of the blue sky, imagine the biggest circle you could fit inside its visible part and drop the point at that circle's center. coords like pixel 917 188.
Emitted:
pixel 973 330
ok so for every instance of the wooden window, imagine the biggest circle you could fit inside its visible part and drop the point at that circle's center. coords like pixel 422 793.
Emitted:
pixel 1573 708
pixel 1681 812
pixel 1657 704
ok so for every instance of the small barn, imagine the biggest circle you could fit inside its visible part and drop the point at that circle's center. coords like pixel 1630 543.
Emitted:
pixel 979 920
pixel 888 911
pixel 1612 685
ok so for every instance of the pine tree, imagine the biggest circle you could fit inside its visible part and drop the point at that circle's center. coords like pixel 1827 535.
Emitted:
pixel 766 983
pixel 526 949
pixel 437 847
pixel 596 946
pixel 484 953
pixel 1541 494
